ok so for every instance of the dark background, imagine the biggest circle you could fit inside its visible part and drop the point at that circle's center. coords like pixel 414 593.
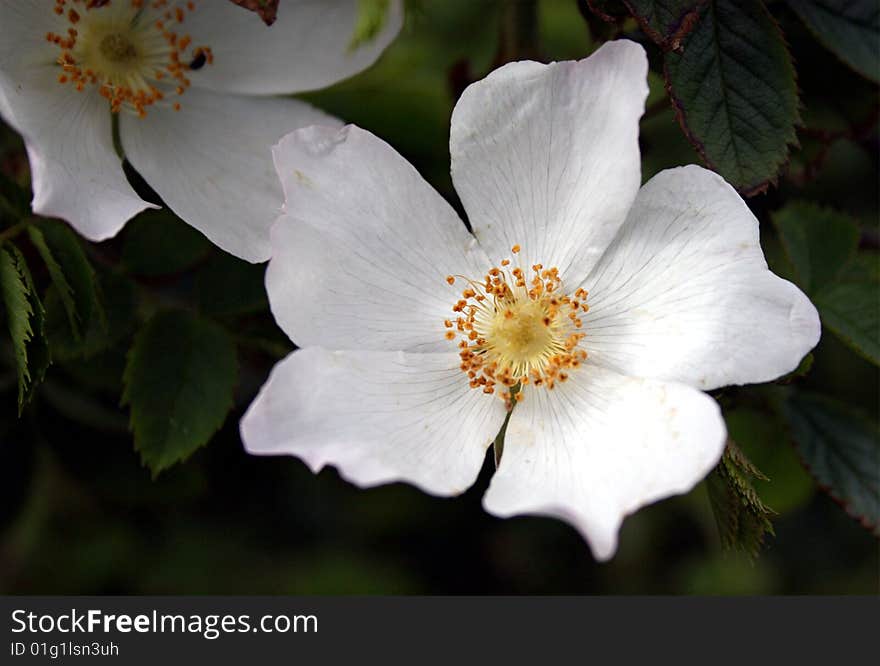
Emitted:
pixel 79 514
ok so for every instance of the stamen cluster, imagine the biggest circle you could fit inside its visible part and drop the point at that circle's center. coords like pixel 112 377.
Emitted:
pixel 517 329
pixel 133 50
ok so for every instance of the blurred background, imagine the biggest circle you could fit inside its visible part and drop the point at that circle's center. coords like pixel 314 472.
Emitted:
pixel 79 513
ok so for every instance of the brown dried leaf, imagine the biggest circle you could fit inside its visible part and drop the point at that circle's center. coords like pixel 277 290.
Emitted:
pixel 267 9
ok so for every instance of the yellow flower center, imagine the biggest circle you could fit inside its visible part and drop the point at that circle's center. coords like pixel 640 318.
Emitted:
pixel 517 329
pixel 134 51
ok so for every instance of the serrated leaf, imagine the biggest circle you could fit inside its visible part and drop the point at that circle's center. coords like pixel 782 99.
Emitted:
pixel 818 241
pixel 850 29
pixel 230 286
pixel 62 286
pixel 743 519
pixel 157 242
pixel 840 447
pixel 852 311
pixel 733 89
pixel 24 320
pixel 179 381
pixel 67 250
pixel 371 18
pixel 665 22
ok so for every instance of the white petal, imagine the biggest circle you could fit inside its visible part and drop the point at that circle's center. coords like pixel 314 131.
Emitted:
pixel 211 162
pixel 75 171
pixel 307 47
pixel 360 259
pixel 684 294
pixel 602 445
pixel 23 29
pixel 547 156
pixel 378 417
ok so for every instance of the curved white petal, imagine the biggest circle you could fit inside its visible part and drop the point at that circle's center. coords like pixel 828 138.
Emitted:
pixel 75 171
pixel 211 162
pixel 361 257
pixel 684 294
pixel 378 417
pixel 547 156
pixel 308 46
pixel 602 445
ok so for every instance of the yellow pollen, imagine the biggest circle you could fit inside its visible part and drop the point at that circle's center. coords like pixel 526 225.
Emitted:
pixel 516 330
pixel 133 51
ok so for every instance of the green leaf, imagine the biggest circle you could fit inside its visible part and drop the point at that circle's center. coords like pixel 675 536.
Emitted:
pixel 117 299
pixel 665 22
pixel 67 250
pixel 179 381
pixel 819 242
pixel 864 267
pixel 743 519
pixel 840 447
pixel 371 18
pixel 821 245
pixel 62 286
pixel 25 321
pixel 158 243
pixel 229 286
pixel 850 29
pixel 734 93
pixel 852 311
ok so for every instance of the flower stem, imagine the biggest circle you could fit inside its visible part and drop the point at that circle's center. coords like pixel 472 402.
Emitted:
pixel 518 38
pixel 498 444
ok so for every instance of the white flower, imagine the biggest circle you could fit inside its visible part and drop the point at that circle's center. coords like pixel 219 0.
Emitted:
pixel 191 83
pixel 610 413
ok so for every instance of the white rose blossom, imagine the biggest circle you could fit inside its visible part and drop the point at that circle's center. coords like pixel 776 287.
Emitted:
pixel 598 310
pixel 191 84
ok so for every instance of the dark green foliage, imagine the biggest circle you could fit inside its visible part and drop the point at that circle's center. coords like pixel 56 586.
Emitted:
pixel 666 22
pixel 743 519
pixel 70 272
pixel 14 201
pixel 818 242
pixel 852 311
pixel 117 302
pixel 821 245
pixel 848 28
pixel 157 242
pixel 841 448
pixel 228 286
pixel 25 318
pixel 734 92
pixel 179 381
